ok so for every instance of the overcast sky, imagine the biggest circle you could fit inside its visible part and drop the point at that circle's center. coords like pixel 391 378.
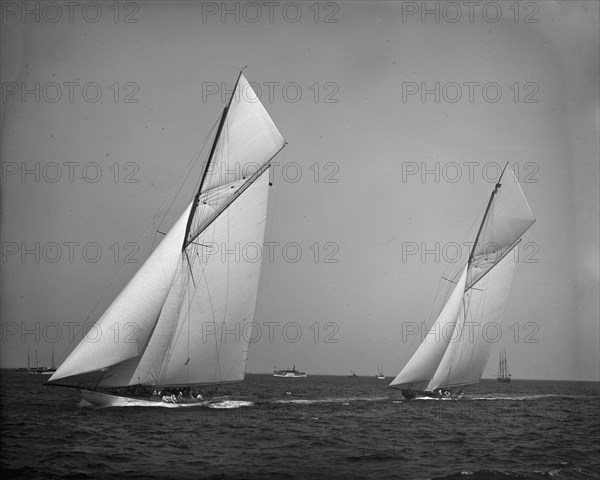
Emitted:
pixel 106 107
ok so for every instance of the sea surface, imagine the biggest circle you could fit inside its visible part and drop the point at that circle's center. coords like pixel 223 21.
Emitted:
pixel 315 427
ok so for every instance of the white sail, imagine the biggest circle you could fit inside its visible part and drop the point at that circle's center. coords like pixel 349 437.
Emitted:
pixel 423 364
pixel 249 139
pixel 191 304
pixel 477 329
pixel 508 219
pixel 135 310
pixel 203 337
pixel 146 368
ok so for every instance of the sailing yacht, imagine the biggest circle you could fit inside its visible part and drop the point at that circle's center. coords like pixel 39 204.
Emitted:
pixel 455 350
pixel 503 375
pixel 181 292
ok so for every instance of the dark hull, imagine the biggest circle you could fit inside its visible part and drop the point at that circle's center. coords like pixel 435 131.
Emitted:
pixel 503 379
pixel 108 400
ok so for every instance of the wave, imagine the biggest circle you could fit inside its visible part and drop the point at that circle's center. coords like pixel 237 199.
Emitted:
pixel 342 400
pixel 231 404
pixel 523 397
pixel 142 403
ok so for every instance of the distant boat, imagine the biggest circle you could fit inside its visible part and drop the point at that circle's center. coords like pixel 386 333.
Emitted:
pixel 503 375
pixel 293 373
pixel 182 286
pixel 353 374
pixel 26 369
pixel 475 298
pixel 42 369
pixel 380 374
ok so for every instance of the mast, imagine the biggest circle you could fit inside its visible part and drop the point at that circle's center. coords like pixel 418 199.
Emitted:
pixel 28 360
pixel 208 162
pixel 487 209
pixel 500 364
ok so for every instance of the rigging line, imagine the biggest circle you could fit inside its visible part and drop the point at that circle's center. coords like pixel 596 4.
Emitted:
pixel 276 195
pixel 192 164
pixel 227 221
pixel 149 374
pixel 485 215
pixel 174 335
pixel 228 226
pixel 145 233
pixel 212 309
pixel 189 308
pixel 190 268
pixel 475 312
pixel 209 161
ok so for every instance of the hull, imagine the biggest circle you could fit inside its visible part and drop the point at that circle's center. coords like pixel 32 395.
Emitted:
pixel 290 375
pixel 100 399
pixel 503 379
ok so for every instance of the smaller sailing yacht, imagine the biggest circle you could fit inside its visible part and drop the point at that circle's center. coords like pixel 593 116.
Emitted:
pixel 503 375
pixel 380 375
pixel 43 369
pixel 455 350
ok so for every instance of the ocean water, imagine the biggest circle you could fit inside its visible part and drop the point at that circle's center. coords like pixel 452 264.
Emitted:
pixel 317 427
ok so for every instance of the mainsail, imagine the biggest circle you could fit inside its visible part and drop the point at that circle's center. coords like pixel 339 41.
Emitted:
pixel 191 304
pixel 457 346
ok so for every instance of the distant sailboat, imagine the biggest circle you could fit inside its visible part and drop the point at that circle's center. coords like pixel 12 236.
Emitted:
pixel 40 368
pixel 455 350
pixel 182 295
pixel 503 375
pixel 48 370
pixel 37 369
pixel 380 374
pixel 26 369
